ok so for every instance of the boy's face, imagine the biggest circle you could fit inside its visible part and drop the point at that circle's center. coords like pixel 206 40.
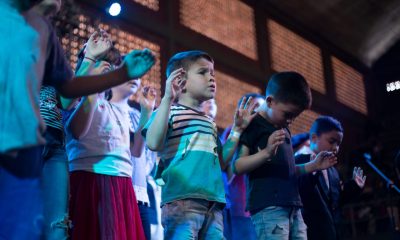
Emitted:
pixel 327 141
pixel 200 81
pixel 281 114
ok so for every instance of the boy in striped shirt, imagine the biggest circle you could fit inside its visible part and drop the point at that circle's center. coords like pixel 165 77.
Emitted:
pixel 192 157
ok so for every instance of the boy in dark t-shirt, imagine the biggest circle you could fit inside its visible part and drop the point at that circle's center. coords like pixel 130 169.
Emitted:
pixel 266 156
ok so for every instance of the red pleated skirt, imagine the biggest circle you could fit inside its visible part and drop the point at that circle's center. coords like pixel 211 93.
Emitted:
pixel 103 207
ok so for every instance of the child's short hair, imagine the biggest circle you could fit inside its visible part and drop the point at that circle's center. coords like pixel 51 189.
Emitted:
pixel 290 87
pixel 184 59
pixel 325 124
pixel 299 139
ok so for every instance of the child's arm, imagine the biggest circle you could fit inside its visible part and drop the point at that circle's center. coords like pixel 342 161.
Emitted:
pixel 322 161
pixel 135 65
pixel 147 102
pixel 247 163
pixel 242 118
pixel 86 67
pixel 155 135
pixel 81 118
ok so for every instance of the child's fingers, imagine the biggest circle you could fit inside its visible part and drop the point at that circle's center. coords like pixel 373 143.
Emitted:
pixel 103 33
pixel 278 139
pixel 95 35
pixel 176 72
pixel 148 56
pixel 358 172
pixel 279 133
pixel 182 84
pixel 249 100
pixel 242 103
pixel 145 90
pixel 173 77
pixel 106 35
pixel 152 91
pixel 253 106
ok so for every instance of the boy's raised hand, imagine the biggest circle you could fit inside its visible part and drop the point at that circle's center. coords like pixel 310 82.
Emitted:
pixel 175 84
pixel 325 160
pixel 244 114
pixel 148 99
pixel 98 45
pixel 359 177
pixel 138 62
pixel 274 140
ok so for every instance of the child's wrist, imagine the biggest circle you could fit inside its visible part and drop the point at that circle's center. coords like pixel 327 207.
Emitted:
pixel 236 129
pixel 90 57
pixel 166 100
pixel 267 155
pixel 313 166
pixel 235 134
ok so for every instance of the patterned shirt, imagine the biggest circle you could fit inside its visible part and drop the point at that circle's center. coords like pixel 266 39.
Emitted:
pixel 49 107
pixel 190 157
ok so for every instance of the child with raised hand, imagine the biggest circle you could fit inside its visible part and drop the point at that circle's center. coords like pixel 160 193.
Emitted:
pixel 266 156
pixel 322 192
pixel 193 193
pixel 99 146
pixel 237 221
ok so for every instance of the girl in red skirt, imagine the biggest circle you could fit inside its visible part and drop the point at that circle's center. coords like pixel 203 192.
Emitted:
pixel 99 146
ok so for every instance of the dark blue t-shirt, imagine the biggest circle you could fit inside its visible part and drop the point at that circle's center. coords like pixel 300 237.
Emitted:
pixel 275 182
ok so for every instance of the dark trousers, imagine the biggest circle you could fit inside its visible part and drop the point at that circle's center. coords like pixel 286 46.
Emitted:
pixel 145 215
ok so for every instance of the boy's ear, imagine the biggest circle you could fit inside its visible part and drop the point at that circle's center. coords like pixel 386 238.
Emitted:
pixel 313 138
pixel 268 100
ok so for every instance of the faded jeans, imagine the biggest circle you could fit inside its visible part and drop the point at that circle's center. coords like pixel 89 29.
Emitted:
pixel 280 223
pixel 54 183
pixel 192 219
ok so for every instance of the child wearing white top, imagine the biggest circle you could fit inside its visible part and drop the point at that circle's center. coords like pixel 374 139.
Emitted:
pixel 99 146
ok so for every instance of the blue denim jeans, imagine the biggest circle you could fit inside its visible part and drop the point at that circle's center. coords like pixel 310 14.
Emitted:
pixel 192 219
pixel 54 184
pixel 280 223
pixel 21 203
